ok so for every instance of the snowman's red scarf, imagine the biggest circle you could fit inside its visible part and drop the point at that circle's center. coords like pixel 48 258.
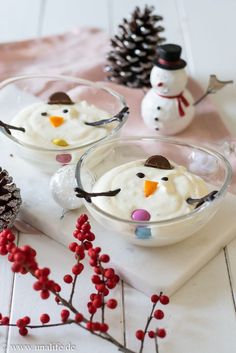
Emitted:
pixel 181 101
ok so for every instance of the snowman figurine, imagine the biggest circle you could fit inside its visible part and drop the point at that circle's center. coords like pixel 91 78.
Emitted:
pixel 168 105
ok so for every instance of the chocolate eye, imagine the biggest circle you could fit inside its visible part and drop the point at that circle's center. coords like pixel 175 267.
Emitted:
pixel 44 113
pixel 158 108
pixel 140 175
pixel 65 110
pixel 164 178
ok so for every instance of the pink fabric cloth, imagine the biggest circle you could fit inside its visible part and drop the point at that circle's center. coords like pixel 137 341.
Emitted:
pixel 82 53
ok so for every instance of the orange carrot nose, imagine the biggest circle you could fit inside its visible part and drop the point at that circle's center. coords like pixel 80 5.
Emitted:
pixel 56 120
pixel 150 187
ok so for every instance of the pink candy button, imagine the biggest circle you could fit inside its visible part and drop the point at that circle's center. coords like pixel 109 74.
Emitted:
pixel 140 215
pixel 64 158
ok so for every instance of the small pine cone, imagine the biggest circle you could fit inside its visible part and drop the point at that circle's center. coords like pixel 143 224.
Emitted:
pixel 134 49
pixel 10 200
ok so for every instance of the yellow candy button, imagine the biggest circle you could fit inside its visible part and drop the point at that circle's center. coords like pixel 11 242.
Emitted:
pixel 60 142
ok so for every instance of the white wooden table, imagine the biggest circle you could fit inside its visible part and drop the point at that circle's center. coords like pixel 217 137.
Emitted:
pixel 201 317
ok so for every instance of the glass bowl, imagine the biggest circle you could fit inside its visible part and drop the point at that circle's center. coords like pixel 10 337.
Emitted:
pixel 18 93
pixel 210 165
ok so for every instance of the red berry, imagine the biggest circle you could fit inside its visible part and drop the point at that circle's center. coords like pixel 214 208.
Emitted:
pixel 164 299
pixel 78 268
pixel 106 292
pixel 88 245
pixel 158 314
pixel 86 227
pixel 44 294
pixel 23 331
pixel 64 315
pixel 93 262
pixel 97 303
pixel 79 317
pixel 44 318
pixel 20 323
pixel 26 320
pixel 57 300
pixel 82 219
pixel 81 236
pixel 97 270
pixel 37 285
pixel 104 258
pixel 0 316
pixel 3 250
pixel 89 325
pixel 109 273
pixel 151 334
pixel 154 298
pixel 111 284
pixel 111 303
pixel 46 271
pixel 92 309
pixel 96 279
pixel 161 332
pixel 11 237
pixel 100 287
pixel 68 279
pixel 16 267
pixel 72 246
pixel 56 287
pixel 104 327
pixel 5 320
pixel 90 236
pixel 140 335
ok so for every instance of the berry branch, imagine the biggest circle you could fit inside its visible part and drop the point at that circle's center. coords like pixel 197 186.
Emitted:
pixel 104 279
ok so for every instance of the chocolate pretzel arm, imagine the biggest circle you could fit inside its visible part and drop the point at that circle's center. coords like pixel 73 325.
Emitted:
pixel 209 197
pixel 87 195
pixel 118 117
pixel 8 127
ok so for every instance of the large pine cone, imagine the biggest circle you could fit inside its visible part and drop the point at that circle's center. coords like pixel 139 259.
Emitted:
pixel 135 49
pixel 10 200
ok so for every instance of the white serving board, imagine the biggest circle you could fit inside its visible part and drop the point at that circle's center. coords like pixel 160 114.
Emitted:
pixel 148 270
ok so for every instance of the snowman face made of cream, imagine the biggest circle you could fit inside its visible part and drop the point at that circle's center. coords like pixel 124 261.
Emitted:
pixel 60 123
pixel 151 190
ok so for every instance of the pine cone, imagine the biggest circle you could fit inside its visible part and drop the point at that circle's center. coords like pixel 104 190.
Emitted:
pixel 135 49
pixel 10 200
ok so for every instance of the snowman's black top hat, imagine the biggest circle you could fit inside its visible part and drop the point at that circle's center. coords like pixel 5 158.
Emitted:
pixel 169 57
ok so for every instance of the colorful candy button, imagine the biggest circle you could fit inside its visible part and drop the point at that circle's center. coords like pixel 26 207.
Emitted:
pixel 140 215
pixel 60 142
pixel 63 158
pixel 143 233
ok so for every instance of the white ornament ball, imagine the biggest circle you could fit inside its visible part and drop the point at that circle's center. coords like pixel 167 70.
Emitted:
pixel 62 185
pixel 201 163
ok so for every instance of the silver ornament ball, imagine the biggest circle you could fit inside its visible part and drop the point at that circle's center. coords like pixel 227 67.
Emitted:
pixel 62 185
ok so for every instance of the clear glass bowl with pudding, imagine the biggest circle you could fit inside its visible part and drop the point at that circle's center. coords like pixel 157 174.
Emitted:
pixel 152 191
pixel 59 117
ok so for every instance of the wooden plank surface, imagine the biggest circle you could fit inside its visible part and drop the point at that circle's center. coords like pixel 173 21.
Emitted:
pixel 199 318
pixel 64 15
pixel 208 29
pixel 19 19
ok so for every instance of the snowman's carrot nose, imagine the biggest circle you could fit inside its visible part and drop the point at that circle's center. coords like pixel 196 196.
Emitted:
pixel 56 120
pixel 150 187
